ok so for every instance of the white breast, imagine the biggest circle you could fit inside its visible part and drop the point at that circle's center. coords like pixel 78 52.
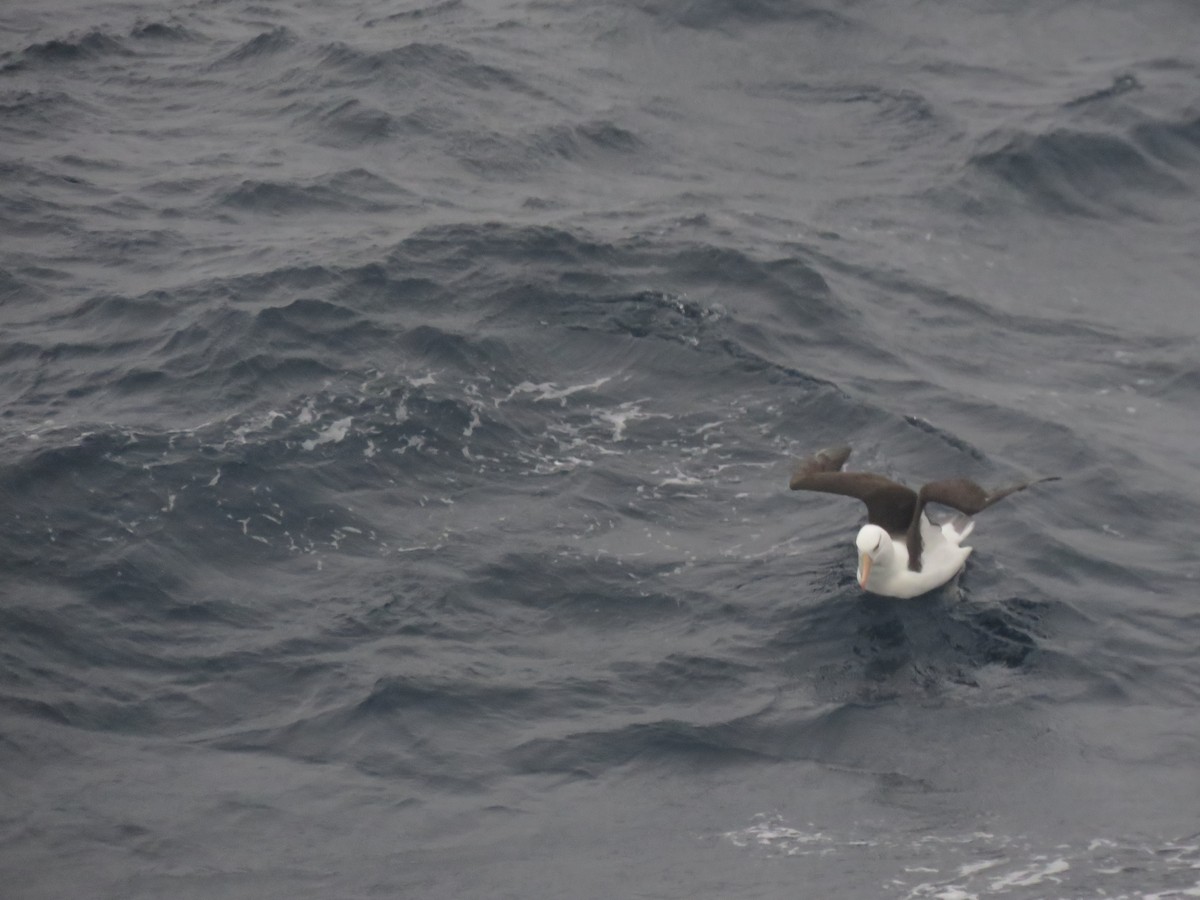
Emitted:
pixel 941 559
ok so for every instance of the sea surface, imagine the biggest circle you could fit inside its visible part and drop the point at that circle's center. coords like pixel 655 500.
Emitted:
pixel 399 400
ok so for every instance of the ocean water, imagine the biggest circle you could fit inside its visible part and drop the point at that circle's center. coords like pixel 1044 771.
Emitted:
pixel 399 403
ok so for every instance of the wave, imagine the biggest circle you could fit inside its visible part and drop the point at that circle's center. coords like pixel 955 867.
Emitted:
pixel 724 14
pixel 665 743
pixel 421 12
pixel 14 289
pixel 267 44
pixel 162 31
pixel 400 402
pixel 30 113
pixel 1121 84
pixel 351 122
pixel 1094 174
pixel 66 52
pixel 357 190
pixel 334 405
pixel 414 63
pixel 1174 143
pixel 499 155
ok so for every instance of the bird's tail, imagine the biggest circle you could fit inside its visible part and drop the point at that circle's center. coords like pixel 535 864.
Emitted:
pixel 958 529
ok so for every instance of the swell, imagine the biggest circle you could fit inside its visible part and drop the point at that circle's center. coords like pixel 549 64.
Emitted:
pixel 31 113
pixel 1072 172
pixel 414 63
pixel 202 336
pixel 354 191
pixel 721 15
pixel 257 49
pixel 95 44
pixel 339 415
pixel 65 52
pixel 506 155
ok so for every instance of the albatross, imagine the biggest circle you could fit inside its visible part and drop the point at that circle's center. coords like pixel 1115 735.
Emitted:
pixel 901 553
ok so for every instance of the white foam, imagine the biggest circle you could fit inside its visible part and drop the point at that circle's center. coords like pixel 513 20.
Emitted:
pixel 982 865
pixel 1030 877
pixel 335 433
pixel 620 417
pixel 1182 892
pixel 681 480
pixel 473 424
pixel 548 390
pixel 412 442
pixel 565 464
pixel 968 869
pixel 953 892
pixel 773 834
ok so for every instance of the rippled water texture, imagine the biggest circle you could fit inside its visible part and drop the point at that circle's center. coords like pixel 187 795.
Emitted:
pixel 399 406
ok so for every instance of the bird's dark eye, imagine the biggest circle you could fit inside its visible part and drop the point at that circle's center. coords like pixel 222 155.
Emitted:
pixel 878 543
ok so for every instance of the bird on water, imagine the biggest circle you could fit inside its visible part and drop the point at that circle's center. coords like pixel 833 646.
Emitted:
pixel 901 553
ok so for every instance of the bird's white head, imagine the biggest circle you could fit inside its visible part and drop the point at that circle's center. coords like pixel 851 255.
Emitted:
pixel 874 545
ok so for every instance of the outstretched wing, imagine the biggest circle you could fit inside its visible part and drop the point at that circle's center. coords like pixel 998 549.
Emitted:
pixel 889 505
pixel 966 496
pixel 826 461
pixel 962 494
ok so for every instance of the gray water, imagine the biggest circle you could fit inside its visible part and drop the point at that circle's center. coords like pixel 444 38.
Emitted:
pixel 399 406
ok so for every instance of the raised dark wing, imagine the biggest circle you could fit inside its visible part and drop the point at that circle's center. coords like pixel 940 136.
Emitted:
pixel 966 496
pixel 962 494
pixel 889 505
pixel 829 460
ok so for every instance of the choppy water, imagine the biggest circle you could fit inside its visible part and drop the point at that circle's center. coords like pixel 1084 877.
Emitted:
pixel 399 405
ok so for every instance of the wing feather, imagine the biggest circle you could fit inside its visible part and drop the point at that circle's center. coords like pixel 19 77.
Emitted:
pixel 966 496
pixel 962 494
pixel 889 505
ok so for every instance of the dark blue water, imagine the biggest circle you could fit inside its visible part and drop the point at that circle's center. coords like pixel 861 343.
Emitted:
pixel 399 403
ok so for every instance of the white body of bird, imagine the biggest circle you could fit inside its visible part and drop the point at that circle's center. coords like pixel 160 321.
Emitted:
pixel 883 561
